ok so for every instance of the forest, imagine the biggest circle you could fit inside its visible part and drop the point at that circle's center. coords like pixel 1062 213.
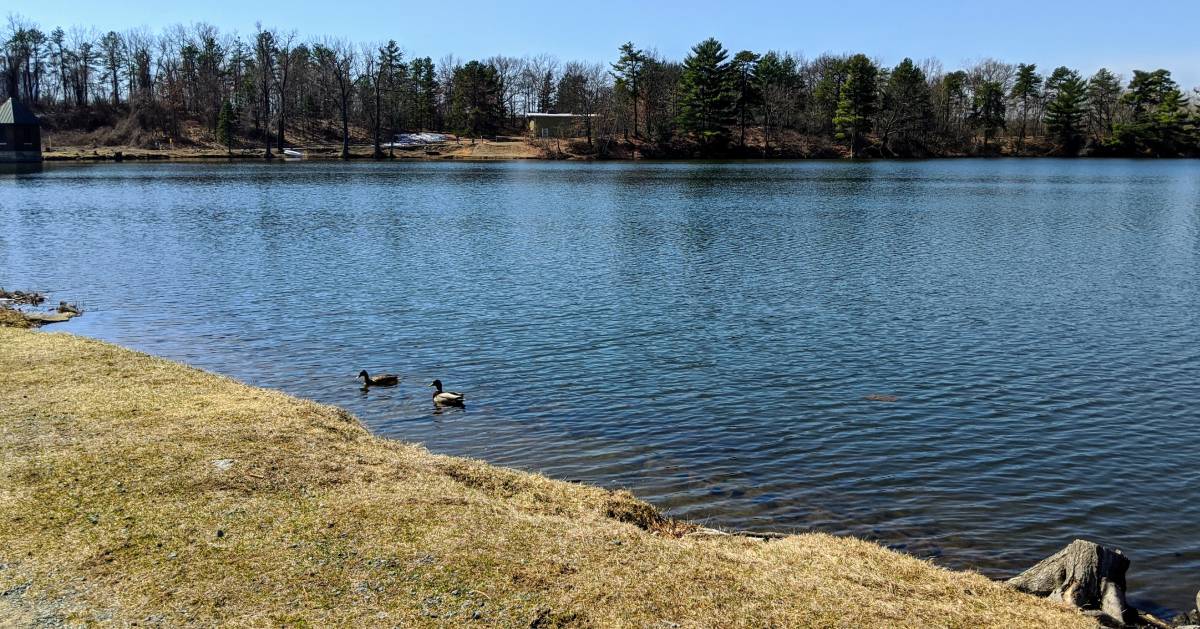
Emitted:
pixel 272 88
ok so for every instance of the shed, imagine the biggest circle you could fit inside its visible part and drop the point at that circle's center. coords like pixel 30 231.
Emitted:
pixel 20 133
pixel 546 125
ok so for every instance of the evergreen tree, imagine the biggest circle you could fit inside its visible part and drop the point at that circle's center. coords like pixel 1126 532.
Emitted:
pixel 226 126
pixel 1025 91
pixel 987 110
pixel 1161 124
pixel 776 82
pixel 476 108
pixel 707 96
pixel 952 104
pixel 748 96
pixel 1066 113
pixel 264 49
pixel 425 91
pixel 628 71
pixel 1104 95
pixel 857 103
pixel 906 112
pixel 387 61
pixel 829 78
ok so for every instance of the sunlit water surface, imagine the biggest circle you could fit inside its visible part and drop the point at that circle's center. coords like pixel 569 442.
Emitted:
pixel 703 334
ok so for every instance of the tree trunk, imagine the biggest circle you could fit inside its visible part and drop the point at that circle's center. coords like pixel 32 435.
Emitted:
pixel 378 154
pixel 1024 115
pixel 635 112
pixel 1083 574
pixel 267 119
pixel 345 128
pixel 282 99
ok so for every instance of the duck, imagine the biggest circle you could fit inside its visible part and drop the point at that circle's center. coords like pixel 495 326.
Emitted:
pixel 447 398
pixel 385 380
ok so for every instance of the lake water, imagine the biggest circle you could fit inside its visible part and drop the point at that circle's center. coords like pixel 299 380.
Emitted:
pixel 702 334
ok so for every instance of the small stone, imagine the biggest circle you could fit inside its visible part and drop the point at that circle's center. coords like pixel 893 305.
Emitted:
pixel 223 464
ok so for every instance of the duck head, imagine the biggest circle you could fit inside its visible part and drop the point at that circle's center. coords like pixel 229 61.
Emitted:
pixel 437 384
pixel 363 374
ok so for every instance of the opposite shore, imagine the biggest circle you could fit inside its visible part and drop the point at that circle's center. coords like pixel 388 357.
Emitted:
pixel 138 489
pixel 500 148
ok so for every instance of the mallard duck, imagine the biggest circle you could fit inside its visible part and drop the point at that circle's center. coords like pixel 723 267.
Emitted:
pixel 386 380
pixel 447 398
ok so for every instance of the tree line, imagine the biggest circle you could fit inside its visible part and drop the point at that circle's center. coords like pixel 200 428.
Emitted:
pixel 270 85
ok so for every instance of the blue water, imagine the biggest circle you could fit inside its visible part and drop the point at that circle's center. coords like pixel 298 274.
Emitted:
pixel 702 334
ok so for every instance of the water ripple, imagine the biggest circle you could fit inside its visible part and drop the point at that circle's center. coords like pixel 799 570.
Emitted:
pixel 704 334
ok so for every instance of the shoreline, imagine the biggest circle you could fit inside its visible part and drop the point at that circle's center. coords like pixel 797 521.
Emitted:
pixel 167 156
pixel 502 148
pixel 141 487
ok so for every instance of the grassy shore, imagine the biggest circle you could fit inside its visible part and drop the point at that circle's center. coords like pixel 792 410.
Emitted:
pixel 460 149
pixel 137 490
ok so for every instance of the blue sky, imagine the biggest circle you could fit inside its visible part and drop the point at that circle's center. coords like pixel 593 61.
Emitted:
pixel 1118 34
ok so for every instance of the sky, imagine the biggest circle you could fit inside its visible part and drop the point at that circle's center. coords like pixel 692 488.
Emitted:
pixel 1083 34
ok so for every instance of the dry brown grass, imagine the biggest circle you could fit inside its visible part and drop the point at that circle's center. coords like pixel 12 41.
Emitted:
pixel 11 318
pixel 464 149
pixel 137 490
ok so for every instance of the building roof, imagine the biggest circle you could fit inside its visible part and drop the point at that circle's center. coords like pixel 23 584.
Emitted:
pixel 12 112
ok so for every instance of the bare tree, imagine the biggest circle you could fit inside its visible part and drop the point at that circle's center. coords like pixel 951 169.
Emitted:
pixel 112 48
pixel 264 54
pixel 337 60
pixel 283 55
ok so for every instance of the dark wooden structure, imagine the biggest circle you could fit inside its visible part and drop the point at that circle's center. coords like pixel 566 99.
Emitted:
pixel 20 134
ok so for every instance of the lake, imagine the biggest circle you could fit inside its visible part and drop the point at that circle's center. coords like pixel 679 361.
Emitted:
pixel 704 334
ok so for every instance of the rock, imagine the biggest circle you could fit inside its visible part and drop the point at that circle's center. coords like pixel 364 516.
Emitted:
pixel 1189 618
pixel 48 317
pixel 1084 574
pixel 880 397
pixel 21 297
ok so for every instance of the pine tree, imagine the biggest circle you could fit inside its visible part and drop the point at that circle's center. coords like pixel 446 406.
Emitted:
pixel 226 126
pixel 706 95
pixel 987 111
pixel 1066 113
pixel 776 81
pixel 1104 94
pixel 1026 89
pixel 388 60
pixel 476 109
pixel 628 72
pixel 857 104
pixel 905 112
pixel 748 95
pixel 1161 124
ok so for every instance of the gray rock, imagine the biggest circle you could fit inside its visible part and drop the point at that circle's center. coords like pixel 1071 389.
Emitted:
pixel 1084 574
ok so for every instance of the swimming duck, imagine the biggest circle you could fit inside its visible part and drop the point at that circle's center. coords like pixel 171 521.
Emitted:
pixel 448 398
pixel 386 380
